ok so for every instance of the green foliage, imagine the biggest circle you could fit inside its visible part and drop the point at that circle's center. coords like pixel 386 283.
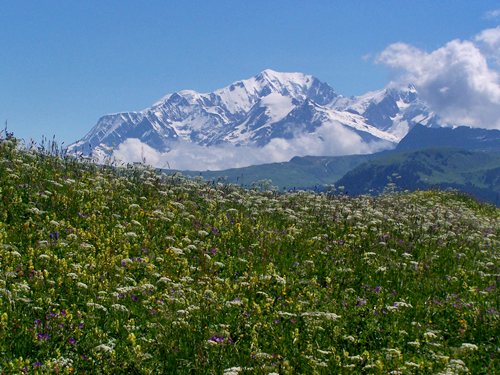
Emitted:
pixel 473 172
pixel 124 270
pixel 299 173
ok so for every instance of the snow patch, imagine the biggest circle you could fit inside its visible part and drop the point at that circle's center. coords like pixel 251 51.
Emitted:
pixel 277 106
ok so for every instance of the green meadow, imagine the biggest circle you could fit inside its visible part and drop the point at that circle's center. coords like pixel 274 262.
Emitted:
pixel 108 269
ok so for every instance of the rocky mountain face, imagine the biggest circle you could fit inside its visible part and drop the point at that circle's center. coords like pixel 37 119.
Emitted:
pixel 253 112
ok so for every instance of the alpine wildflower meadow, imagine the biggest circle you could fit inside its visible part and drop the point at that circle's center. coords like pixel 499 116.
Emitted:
pixel 115 269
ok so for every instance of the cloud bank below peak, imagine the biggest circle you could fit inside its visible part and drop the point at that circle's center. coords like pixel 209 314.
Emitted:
pixel 460 81
pixel 330 139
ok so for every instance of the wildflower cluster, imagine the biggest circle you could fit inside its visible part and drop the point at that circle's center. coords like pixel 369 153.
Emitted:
pixel 107 269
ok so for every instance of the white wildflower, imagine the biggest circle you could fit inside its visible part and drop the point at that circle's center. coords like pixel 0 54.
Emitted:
pixel 97 306
pixel 147 287
pixel 232 371
pixel 321 314
pixel 22 287
pixel 262 355
pixel 164 280
pixel 280 280
pixel 234 302
pixel 81 285
pixel 118 307
pixel 391 352
pixel 202 233
pixel 412 364
pixel 103 348
pixel 176 250
pixel 285 314
pixel 356 358
pixel 430 335
pixel 468 347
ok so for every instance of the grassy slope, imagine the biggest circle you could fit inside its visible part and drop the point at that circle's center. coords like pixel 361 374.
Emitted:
pixel 299 172
pixel 474 172
pixel 105 270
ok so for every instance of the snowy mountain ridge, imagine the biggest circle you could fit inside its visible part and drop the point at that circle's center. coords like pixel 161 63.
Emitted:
pixel 265 109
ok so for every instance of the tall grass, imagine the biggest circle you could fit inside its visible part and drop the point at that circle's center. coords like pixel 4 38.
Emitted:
pixel 124 270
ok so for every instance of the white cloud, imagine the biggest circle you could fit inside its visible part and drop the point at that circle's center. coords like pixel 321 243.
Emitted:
pixel 455 80
pixel 330 139
pixel 492 14
pixel 489 41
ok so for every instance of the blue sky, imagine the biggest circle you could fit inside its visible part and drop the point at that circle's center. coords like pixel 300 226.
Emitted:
pixel 66 63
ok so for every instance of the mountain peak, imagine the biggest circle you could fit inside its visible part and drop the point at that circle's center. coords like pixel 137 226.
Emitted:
pixel 269 72
pixel 296 78
pixel 253 112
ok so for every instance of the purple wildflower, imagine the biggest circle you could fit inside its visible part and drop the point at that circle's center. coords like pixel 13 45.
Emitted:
pixel 43 336
pixel 217 339
pixel 490 288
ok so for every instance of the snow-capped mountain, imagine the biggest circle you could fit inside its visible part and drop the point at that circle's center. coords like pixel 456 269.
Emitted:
pixel 254 112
